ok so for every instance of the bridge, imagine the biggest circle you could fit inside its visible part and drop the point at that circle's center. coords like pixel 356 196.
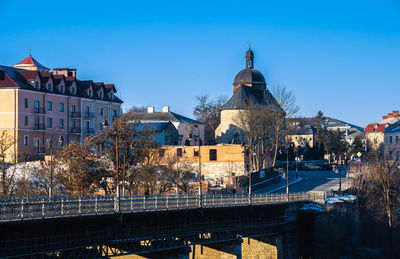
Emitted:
pixel 168 226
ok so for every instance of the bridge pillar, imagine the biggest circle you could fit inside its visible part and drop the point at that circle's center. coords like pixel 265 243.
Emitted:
pixel 261 247
pixel 286 245
pixel 224 250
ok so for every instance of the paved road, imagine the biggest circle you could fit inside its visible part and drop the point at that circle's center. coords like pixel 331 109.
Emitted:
pixel 316 181
pixel 311 181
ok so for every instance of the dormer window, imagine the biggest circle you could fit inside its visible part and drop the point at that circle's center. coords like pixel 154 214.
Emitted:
pixel 111 95
pixel 73 90
pixel 101 94
pixel 61 89
pixel 37 85
pixel 49 87
pixel 90 92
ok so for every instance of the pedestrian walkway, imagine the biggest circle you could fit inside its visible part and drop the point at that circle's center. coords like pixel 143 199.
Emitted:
pixel 279 184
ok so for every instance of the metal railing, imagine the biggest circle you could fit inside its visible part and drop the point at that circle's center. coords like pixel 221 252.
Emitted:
pixel 28 208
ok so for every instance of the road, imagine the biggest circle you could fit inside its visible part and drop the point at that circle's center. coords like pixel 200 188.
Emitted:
pixel 312 181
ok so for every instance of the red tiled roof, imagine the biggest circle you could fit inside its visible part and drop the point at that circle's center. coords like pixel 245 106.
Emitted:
pixel 28 74
pixel 6 81
pixel 371 128
pixel 29 61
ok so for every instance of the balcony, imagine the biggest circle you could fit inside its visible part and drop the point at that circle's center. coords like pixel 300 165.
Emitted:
pixel 38 150
pixel 89 131
pixel 76 115
pixel 75 130
pixel 38 110
pixel 89 115
pixel 38 126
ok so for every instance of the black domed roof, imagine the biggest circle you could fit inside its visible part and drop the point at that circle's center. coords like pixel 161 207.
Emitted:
pixel 249 75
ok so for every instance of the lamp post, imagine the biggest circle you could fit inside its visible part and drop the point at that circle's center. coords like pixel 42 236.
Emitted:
pixel 105 125
pixel 50 146
pixel 200 180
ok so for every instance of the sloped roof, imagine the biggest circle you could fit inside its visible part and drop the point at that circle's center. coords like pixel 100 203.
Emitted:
pixel 244 96
pixel 162 116
pixel 395 127
pixel 30 62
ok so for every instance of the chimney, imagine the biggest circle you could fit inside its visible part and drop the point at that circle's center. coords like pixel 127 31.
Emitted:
pixel 347 129
pixel 150 109
pixel 165 109
pixel 395 113
pixel 385 117
pixel 390 115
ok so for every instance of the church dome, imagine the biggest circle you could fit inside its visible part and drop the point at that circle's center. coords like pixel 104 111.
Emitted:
pixel 249 75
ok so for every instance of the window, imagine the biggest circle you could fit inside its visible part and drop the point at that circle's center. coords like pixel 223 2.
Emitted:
pixel 87 125
pixel 26 140
pixel 37 85
pixel 26 121
pixel 195 152
pixel 49 122
pixel 62 143
pixel 36 104
pixel 49 106
pixel 179 152
pixel 213 155
pixel 74 124
pixel 61 107
pixel 61 89
pixel 26 103
pixel 100 126
pixel 37 121
pixel 101 94
pixel 50 87
pixel 61 123
pixel 90 92
pixel 397 139
pixel 101 112
pixel 390 139
pixel 73 90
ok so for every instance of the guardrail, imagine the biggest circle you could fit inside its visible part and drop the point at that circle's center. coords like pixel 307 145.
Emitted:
pixel 29 208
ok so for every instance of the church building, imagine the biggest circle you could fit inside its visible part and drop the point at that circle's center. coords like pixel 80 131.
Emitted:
pixel 249 87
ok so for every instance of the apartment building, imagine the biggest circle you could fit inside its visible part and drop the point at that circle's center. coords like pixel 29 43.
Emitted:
pixel 39 106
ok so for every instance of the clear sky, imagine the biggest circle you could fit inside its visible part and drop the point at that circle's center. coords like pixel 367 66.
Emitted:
pixel 341 57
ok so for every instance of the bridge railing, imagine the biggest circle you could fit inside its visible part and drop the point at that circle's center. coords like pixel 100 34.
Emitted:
pixel 68 206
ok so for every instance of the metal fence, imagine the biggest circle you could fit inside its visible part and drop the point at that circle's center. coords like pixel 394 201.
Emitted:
pixel 29 208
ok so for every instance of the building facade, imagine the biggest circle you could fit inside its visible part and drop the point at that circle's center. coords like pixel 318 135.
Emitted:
pixel 189 130
pixel 39 107
pixel 375 132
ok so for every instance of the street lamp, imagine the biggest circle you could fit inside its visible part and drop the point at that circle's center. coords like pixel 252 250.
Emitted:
pixel 50 146
pixel 105 125
pixel 200 180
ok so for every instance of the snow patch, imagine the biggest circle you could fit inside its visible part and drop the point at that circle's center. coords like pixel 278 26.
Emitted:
pixel 313 207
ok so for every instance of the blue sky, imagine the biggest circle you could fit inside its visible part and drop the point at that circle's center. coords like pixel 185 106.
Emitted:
pixel 341 57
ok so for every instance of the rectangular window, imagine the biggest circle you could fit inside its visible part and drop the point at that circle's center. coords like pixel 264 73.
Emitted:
pixel 61 107
pixel 73 108
pixel 61 89
pixel 26 140
pixel 26 121
pixel 49 106
pixel 37 121
pixel 213 155
pixel 195 152
pixel 390 139
pixel 26 103
pixel 50 87
pixel 101 112
pixel 36 104
pixel 73 90
pixel 397 139
pixel 179 152
pixel 37 85
pixel 87 125
pixel 49 122
pixel 36 142
pixel 61 123
pixel 74 124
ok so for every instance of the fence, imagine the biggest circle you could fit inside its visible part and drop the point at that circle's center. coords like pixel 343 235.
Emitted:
pixel 68 206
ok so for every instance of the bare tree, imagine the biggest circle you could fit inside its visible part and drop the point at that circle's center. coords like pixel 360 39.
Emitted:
pixel 7 179
pixel 209 112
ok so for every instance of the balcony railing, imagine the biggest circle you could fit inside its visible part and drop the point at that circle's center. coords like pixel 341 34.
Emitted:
pixel 39 126
pixel 76 115
pixel 89 130
pixel 38 110
pixel 89 115
pixel 75 130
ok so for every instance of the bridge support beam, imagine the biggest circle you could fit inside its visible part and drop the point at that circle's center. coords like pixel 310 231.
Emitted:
pixel 261 247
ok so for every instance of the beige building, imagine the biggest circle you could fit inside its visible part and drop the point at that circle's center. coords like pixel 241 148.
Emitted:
pixel 38 107
pixel 217 162
pixel 375 132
